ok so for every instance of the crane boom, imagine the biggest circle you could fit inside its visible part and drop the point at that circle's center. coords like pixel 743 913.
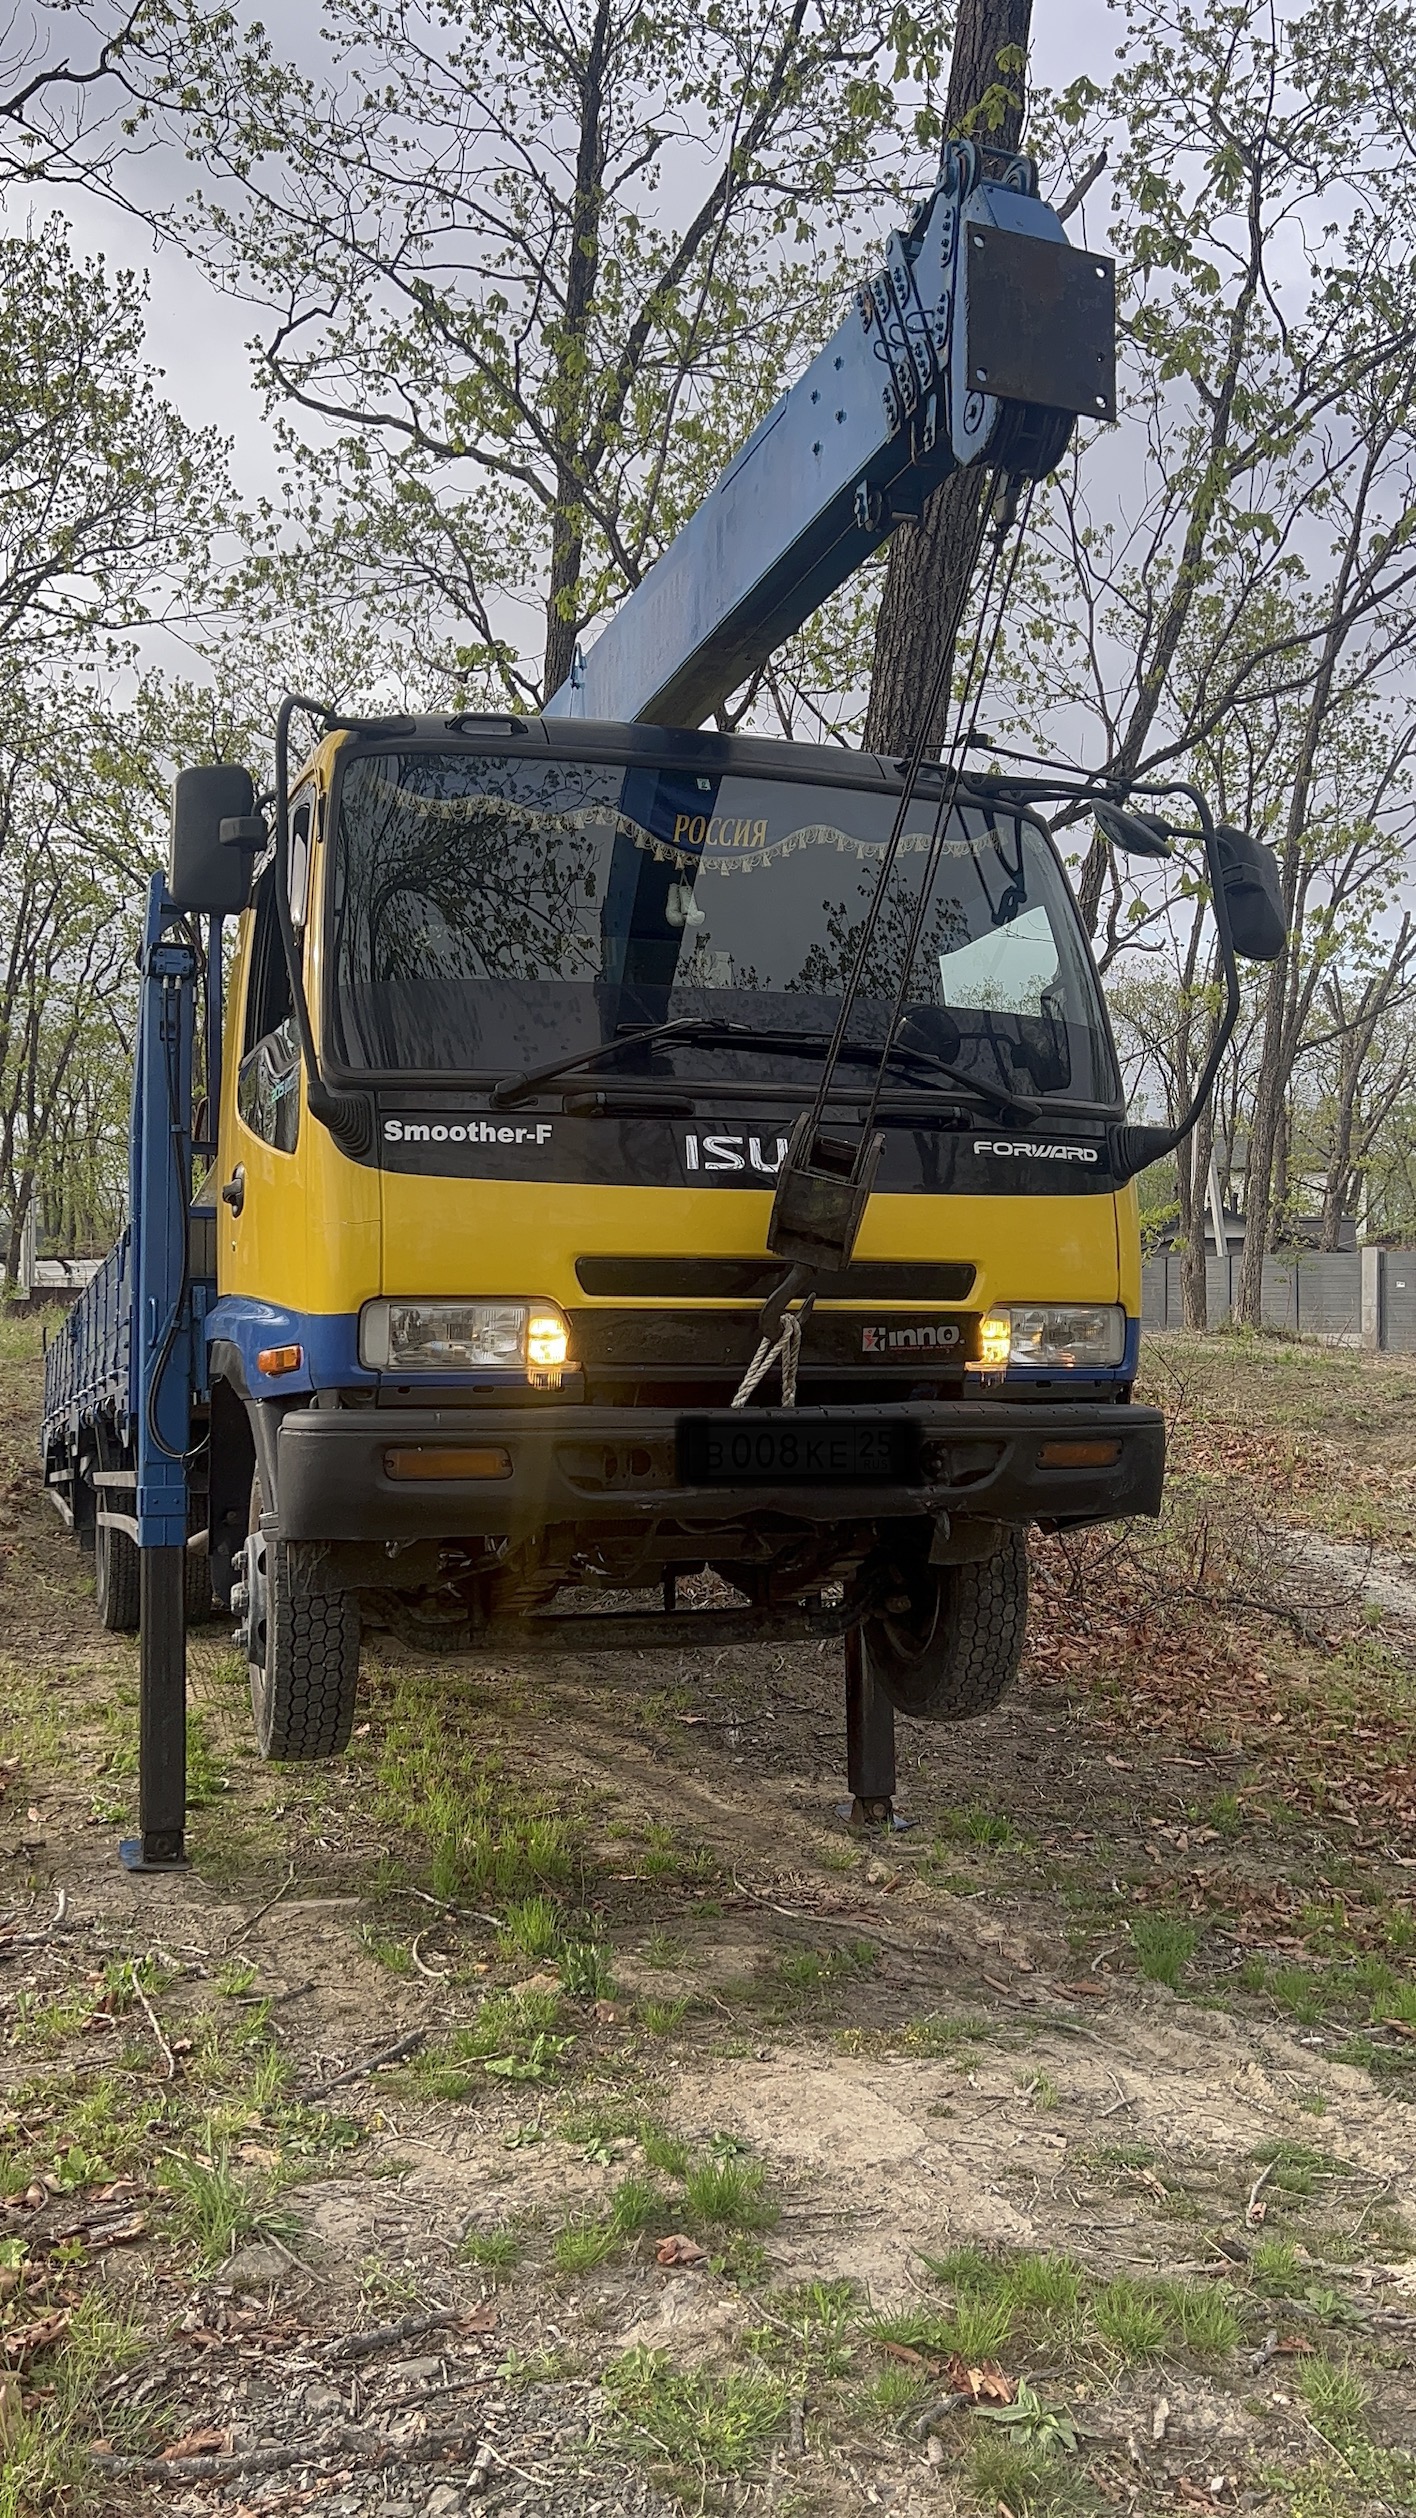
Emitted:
pixel 979 341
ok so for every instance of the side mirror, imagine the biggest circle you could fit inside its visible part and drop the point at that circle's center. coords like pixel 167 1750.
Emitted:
pixel 210 866
pixel 1138 834
pixel 1254 892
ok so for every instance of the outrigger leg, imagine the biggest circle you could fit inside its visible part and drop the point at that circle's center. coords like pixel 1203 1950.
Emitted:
pixel 163 1353
pixel 870 1741
pixel 162 1715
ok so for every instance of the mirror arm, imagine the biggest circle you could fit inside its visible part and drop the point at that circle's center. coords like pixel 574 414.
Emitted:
pixel 349 1117
pixel 1133 1148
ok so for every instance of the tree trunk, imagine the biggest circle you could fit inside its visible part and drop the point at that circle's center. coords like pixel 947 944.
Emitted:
pixel 932 562
pixel 582 272
pixel 1352 1058
pixel 1194 1279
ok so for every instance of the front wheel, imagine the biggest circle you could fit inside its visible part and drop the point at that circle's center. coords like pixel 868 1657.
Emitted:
pixel 953 1651
pixel 302 1650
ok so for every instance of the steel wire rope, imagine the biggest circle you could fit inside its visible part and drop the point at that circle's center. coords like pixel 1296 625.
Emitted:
pixel 783 1340
pixel 974 685
pixel 914 762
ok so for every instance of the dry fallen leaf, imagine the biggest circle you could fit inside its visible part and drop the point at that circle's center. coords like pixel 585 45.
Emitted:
pixel 1403 2028
pixel 25 2341
pixel 680 2251
pixel 199 2444
pixel 906 2352
pixel 478 2321
pixel 12 2410
pixel 982 2381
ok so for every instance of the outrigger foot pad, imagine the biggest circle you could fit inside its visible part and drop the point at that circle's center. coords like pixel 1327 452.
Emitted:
pixel 873 1812
pixel 154 1853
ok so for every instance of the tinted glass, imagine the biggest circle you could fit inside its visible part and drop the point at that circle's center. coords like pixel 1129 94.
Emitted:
pixel 491 914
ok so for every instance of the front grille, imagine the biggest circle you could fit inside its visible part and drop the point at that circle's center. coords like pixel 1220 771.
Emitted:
pixel 927 1346
pixel 689 1280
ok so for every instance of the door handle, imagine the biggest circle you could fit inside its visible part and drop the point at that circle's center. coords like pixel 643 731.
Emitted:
pixel 233 1194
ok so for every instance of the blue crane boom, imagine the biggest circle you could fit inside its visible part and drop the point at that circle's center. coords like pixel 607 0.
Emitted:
pixel 980 340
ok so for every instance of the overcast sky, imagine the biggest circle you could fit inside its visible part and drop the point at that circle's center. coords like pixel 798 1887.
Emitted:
pixel 199 338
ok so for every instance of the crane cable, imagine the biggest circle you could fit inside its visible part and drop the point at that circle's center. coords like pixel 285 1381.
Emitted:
pixel 975 683
pixel 785 1344
pixel 913 764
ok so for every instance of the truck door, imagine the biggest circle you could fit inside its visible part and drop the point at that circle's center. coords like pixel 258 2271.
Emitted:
pixel 262 1220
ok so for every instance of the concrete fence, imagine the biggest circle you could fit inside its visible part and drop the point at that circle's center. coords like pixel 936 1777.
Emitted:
pixel 1351 1297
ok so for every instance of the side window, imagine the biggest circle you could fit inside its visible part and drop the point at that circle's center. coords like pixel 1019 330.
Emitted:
pixel 302 828
pixel 268 1081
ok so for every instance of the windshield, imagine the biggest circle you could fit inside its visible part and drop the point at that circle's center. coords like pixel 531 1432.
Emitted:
pixel 492 914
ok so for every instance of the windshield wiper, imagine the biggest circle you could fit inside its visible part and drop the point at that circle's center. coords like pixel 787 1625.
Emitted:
pixel 514 1088
pixel 722 1035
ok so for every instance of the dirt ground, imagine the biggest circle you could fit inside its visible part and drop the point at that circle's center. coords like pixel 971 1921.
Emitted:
pixel 552 2106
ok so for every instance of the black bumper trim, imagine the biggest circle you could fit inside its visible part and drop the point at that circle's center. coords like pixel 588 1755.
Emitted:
pixel 618 1467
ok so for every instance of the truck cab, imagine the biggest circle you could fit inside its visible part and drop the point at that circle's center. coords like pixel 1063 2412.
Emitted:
pixel 521 1015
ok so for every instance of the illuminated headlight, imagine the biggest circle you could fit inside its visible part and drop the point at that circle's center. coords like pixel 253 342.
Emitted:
pixel 1061 1337
pixel 529 1337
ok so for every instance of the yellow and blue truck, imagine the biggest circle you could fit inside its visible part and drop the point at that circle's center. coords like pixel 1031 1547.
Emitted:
pixel 477 1206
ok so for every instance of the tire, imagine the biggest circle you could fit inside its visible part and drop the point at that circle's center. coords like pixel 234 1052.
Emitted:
pixel 302 1652
pixel 197 1600
pixel 954 1652
pixel 116 1579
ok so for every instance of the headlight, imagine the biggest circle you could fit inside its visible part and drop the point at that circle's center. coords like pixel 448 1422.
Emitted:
pixel 1057 1336
pixel 529 1337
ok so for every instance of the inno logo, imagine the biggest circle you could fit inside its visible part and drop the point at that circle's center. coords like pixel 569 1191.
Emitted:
pixel 473 1132
pixel 1037 1153
pixel 912 1340
pixel 732 1154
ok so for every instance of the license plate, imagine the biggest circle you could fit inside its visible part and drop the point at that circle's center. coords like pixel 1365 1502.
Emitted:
pixel 846 1451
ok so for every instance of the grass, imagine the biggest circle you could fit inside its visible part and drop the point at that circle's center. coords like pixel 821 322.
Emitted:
pixel 532 1927
pixel 580 2245
pixel 806 1973
pixel 45 2462
pixel 809 2326
pixel 1131 2320
pixel 667 2152
pixel 495 2250
pixel 483 1839
pixel 216 2209
pixel 694 2421
pixel 661 1950
pixel 515 2037
pixel 1335 2394
pixel 662 2019
pixel 1049 2305
pixel 636 2204
pixel 586 1973
pixel 729 2194
pixel 1164 1947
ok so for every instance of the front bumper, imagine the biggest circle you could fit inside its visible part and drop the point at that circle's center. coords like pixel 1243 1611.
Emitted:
pixel 618 1468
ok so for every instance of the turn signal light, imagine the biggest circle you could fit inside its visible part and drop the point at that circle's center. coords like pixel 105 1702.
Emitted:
pixel 995 1341
pixel 442 1460
pixel 547 1340
pixel 280 1359
pixel 1078 1455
